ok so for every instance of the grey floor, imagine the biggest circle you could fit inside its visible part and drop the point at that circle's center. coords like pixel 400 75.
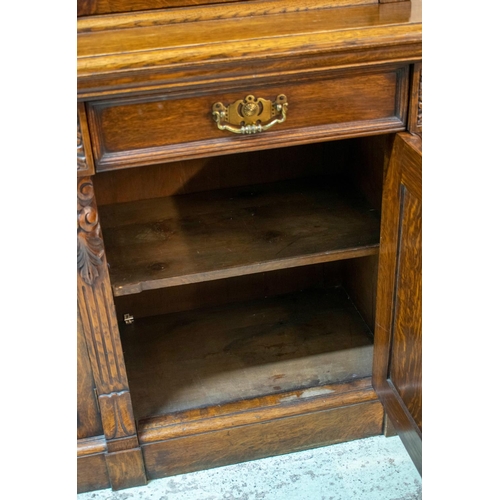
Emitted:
pixel 376 468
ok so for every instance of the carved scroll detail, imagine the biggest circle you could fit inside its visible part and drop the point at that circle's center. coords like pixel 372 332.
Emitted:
pixel 81 160
pixel 90 249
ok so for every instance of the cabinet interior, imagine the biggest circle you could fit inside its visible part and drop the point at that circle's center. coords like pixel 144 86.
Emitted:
pixel 249 276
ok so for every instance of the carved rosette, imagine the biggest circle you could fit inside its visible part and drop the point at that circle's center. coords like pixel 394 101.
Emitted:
pixel 90 245
pixel 81 160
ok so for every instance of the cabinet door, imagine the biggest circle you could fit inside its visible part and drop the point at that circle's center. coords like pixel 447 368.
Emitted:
pixel 397 368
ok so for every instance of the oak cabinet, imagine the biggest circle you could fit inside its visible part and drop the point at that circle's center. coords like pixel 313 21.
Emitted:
pixel 248 260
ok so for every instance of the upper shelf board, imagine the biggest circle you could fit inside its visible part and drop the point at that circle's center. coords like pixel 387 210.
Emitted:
pixel 211 235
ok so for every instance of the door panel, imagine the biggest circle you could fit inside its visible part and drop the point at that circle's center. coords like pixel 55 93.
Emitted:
pixel 406 363
pixel 397 368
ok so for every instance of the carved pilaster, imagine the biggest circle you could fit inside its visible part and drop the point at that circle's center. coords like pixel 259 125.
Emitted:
pixel 124 461
pixel 84 160
pixel 95 300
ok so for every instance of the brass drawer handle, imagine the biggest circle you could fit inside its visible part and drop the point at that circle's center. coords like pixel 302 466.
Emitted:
pixel 250 114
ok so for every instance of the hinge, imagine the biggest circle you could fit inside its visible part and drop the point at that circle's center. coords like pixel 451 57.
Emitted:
pixel 128 318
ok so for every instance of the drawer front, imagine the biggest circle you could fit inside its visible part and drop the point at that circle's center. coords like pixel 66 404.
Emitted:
pixel 155 129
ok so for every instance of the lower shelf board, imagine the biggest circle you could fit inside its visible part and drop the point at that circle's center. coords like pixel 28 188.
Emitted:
pixel 233 353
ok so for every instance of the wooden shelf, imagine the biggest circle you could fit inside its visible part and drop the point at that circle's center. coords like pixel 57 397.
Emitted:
pixel 221 355
pixel 218 234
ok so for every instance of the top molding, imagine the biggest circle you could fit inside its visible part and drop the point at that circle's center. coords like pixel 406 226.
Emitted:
pixel 126 54
pixel 99 7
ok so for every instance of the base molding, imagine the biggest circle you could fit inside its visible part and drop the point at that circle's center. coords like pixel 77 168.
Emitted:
pixel 263 439
pixel 92 473
pixel 126 469
pixel 98 469
pixel 176 444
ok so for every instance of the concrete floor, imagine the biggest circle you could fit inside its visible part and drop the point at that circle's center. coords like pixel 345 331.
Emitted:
pixel 377 468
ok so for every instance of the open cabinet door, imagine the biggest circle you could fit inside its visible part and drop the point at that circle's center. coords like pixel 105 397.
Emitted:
pixel 397 368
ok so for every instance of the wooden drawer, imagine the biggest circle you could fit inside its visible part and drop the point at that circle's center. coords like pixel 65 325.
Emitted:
pixel 138 131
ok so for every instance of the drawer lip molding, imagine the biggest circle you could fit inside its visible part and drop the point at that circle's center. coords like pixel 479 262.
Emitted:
pixel 131 132
pixel 203 149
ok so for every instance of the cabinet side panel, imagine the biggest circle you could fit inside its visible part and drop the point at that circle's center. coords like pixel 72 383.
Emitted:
pixel 360 281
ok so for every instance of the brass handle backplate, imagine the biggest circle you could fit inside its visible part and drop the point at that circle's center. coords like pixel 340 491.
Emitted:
pixel 249 115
